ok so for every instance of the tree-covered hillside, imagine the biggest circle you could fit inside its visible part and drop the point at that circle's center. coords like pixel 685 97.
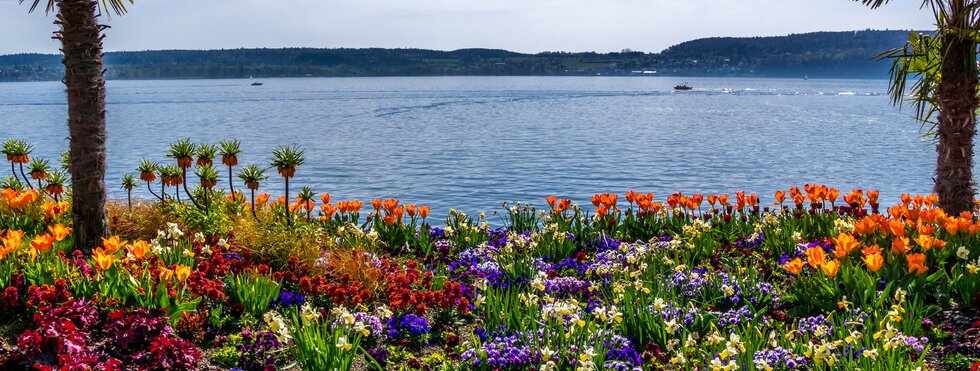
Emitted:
pixel 819 54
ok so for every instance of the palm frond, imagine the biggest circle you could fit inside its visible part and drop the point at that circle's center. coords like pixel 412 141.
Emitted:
pixel 920 59
pixel 117 6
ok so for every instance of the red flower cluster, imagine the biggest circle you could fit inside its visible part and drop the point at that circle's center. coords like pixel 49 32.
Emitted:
pixel 410 290
pixel 347 291
pixel 39 296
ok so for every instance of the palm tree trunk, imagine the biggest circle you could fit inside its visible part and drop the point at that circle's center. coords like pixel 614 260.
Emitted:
pixel 129 199
pixel 81 43
pixel 957 126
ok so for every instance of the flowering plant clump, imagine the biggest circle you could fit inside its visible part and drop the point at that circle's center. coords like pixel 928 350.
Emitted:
pixel 809 278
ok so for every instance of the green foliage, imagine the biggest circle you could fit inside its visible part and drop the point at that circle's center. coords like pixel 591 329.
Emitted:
pixel 207 151
pixel 320 345
pixel 252 173
pixel 129 182
pixel 287 157
pixel 253 291
pixel 207 174
pixel 229 148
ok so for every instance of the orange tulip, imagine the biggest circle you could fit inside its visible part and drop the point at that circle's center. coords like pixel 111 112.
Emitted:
pixel 102 259
pixel 900 246
pixel 630 197
pixel 816 256
pixel 410 209
pixel 423 211
pixel 390 204
pixel 873 249
pixel 872 196
pixel 844 244
pixel 261 199
pixel 328 210
pixel 551 201
pixel 601 211
pixel 906 199
pixel 12 240
pixel 832 195
pixel 865 226
pixel 917 263
pixel 723 199
pixel 794 266
pixel 376 204
pixel 59 232
pixel 113 244
pixel 780 196
pixel 325 198
pixel 8 194
pixel 895 227
pixel 928 242
pixel 42 243
pixel 138 249
pixel 874 261
pixel 830 267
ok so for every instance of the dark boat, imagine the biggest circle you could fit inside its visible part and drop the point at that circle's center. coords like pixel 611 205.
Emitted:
pixel 682 87
pixel 256 84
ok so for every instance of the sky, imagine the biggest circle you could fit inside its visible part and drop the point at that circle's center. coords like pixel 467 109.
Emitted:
pixel 518 25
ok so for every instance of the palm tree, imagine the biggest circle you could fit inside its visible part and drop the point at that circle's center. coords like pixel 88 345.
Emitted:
pixel 945 65
pixel 81 43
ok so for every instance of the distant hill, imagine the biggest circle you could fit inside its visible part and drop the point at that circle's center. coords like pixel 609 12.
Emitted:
pixel 819 55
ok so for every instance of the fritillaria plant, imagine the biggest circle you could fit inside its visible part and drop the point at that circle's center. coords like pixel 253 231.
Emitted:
pixel 286 160
pixel 252 176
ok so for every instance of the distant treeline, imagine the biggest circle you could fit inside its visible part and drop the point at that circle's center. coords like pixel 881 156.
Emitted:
pixel 818 55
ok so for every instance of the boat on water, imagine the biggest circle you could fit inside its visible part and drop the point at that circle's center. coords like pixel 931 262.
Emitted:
pixel 256 84
pixel 682 87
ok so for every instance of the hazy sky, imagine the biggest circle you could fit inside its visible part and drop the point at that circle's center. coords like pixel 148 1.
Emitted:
pixel 519 25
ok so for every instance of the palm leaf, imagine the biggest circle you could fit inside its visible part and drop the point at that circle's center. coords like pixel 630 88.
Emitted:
pixel 117 6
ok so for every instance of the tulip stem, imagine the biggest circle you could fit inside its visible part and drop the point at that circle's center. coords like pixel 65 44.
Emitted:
pixel 26 179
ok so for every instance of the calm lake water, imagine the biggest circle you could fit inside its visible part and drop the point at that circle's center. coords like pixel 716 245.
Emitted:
pixel 472 142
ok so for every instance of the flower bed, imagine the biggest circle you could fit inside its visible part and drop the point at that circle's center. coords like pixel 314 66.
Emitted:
pixel 817 280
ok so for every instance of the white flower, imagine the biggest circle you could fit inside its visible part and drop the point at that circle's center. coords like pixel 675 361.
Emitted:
pixel 963 253
pixel 222 242
pixel 383 311
pixel 342 343
pixel 198 237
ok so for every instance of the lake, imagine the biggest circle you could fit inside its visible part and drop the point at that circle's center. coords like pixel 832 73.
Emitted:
pixel 473 142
